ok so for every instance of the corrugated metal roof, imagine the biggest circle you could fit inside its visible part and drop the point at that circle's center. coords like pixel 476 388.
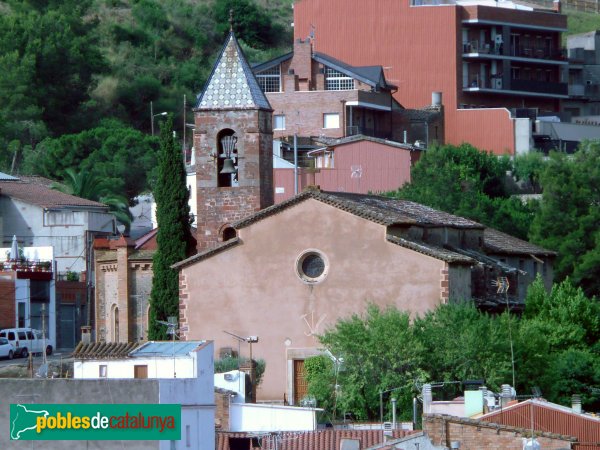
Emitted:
pixel 5 176
pixel 551 418
pixel 232 84
pixel 166 348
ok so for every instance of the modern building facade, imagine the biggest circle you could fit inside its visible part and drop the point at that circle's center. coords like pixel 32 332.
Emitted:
pixel 496 63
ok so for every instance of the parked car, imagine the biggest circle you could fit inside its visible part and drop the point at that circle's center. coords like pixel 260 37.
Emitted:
pixel 26 340
pixel 6 349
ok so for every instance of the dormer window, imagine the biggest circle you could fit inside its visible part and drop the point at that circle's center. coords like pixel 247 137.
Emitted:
pixel 337 81
pixel 270 80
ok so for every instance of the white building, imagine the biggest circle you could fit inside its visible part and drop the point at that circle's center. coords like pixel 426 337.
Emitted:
pixel 41 216
pixel 190 384
pixel 33 283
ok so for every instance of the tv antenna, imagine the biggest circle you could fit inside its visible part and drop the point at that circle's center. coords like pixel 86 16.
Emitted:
pixel 172 330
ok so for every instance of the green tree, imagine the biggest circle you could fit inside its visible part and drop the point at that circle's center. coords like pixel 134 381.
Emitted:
pixel 251 23
pixel 568 217
pixel 89 185
pixel 470 183
pixel 116 153
pixel 174 237
pixel 452 338
pixel 379 352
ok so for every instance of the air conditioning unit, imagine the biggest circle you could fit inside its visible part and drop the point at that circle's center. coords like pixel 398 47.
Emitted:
pixel 497 83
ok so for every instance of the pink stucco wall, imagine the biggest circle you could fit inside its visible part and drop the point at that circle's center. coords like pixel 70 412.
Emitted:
pixel 253 288
pixel 362 167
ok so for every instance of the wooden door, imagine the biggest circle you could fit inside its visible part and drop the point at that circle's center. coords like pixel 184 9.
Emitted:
pixel 140 371
pixel 300 383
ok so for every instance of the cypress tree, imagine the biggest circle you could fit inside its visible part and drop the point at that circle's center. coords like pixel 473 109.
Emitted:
pixel 174 236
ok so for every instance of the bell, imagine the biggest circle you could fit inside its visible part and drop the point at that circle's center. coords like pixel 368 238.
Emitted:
pixel 228 166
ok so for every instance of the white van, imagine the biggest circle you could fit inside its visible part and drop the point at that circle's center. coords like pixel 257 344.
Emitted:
pixel 26 340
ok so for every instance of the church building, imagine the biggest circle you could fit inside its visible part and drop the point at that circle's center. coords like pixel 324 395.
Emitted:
pixel 277 276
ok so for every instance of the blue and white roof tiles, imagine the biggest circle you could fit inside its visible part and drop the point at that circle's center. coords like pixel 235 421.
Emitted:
pixel 232 84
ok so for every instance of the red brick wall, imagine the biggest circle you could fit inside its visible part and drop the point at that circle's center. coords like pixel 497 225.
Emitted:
pixel 476 435
pixel 218 206
pixel 7 299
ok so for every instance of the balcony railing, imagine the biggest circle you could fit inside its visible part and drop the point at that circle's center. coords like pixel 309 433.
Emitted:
pixel 493 48
pixel 25 265
pixel 540 87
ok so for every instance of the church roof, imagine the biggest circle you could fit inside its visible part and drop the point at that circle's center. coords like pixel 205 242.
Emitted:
pixel 232 84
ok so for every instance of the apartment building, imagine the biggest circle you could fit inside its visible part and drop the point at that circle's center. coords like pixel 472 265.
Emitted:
pixel 498 64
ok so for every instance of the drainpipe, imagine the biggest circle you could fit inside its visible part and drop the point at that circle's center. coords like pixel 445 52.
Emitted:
pixel 295 164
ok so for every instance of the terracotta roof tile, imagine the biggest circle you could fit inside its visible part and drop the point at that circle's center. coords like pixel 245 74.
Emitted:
pixel 104 350
pixel 309 440
pixel 41 195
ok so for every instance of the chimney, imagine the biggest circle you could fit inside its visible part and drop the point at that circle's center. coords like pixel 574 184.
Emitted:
pixel 427 398
pixel 556 6
pixel 302 62
pixel 576 403
pixel 506 395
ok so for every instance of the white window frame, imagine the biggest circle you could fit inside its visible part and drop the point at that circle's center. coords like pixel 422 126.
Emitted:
pixel 269 80
pixel 280 117
pixel 331 121
pixel 337 81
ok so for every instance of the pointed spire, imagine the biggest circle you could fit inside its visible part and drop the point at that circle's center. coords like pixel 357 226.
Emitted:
pixel 232 84
pixel 231 20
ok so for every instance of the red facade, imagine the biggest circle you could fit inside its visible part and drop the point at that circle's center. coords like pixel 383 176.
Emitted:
pixel 363 167
pixel 424 49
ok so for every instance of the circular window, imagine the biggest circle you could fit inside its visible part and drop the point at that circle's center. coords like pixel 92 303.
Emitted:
pixel 312 266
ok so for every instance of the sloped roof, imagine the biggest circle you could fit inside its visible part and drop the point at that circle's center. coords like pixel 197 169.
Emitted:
pixel 361 137
pixel 104 350
pixel 232 84
pixel 166 348
pixel 371 75
pixel 41 195
pixel 431 250
pixel 310 440
pixel 551 418
pixel 381 210
pixel 5 176
pixel 498 242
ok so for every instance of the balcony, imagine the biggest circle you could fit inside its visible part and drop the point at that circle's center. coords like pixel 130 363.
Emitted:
pixel 527 88
pixel 536 55
pixel 540 87
pixel 28 269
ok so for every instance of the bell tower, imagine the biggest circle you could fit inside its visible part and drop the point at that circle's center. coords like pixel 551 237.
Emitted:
pixel 233 141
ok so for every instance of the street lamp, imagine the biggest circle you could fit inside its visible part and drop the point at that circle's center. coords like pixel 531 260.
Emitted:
pixel 250 340
pixel 152 116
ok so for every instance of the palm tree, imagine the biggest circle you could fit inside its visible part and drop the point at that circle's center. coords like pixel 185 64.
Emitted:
pixel 86 184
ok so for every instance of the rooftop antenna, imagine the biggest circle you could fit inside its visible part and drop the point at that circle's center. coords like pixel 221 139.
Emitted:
pixel 172 330
pixel 503 286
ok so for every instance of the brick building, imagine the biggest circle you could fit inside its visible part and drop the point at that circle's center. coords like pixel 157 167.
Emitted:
pixel 471 434
pixel 496 63
pixel 315 95
pixel 233 142
pixel 123 271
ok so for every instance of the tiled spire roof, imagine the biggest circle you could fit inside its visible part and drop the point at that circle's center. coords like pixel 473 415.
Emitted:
pixel 232 84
